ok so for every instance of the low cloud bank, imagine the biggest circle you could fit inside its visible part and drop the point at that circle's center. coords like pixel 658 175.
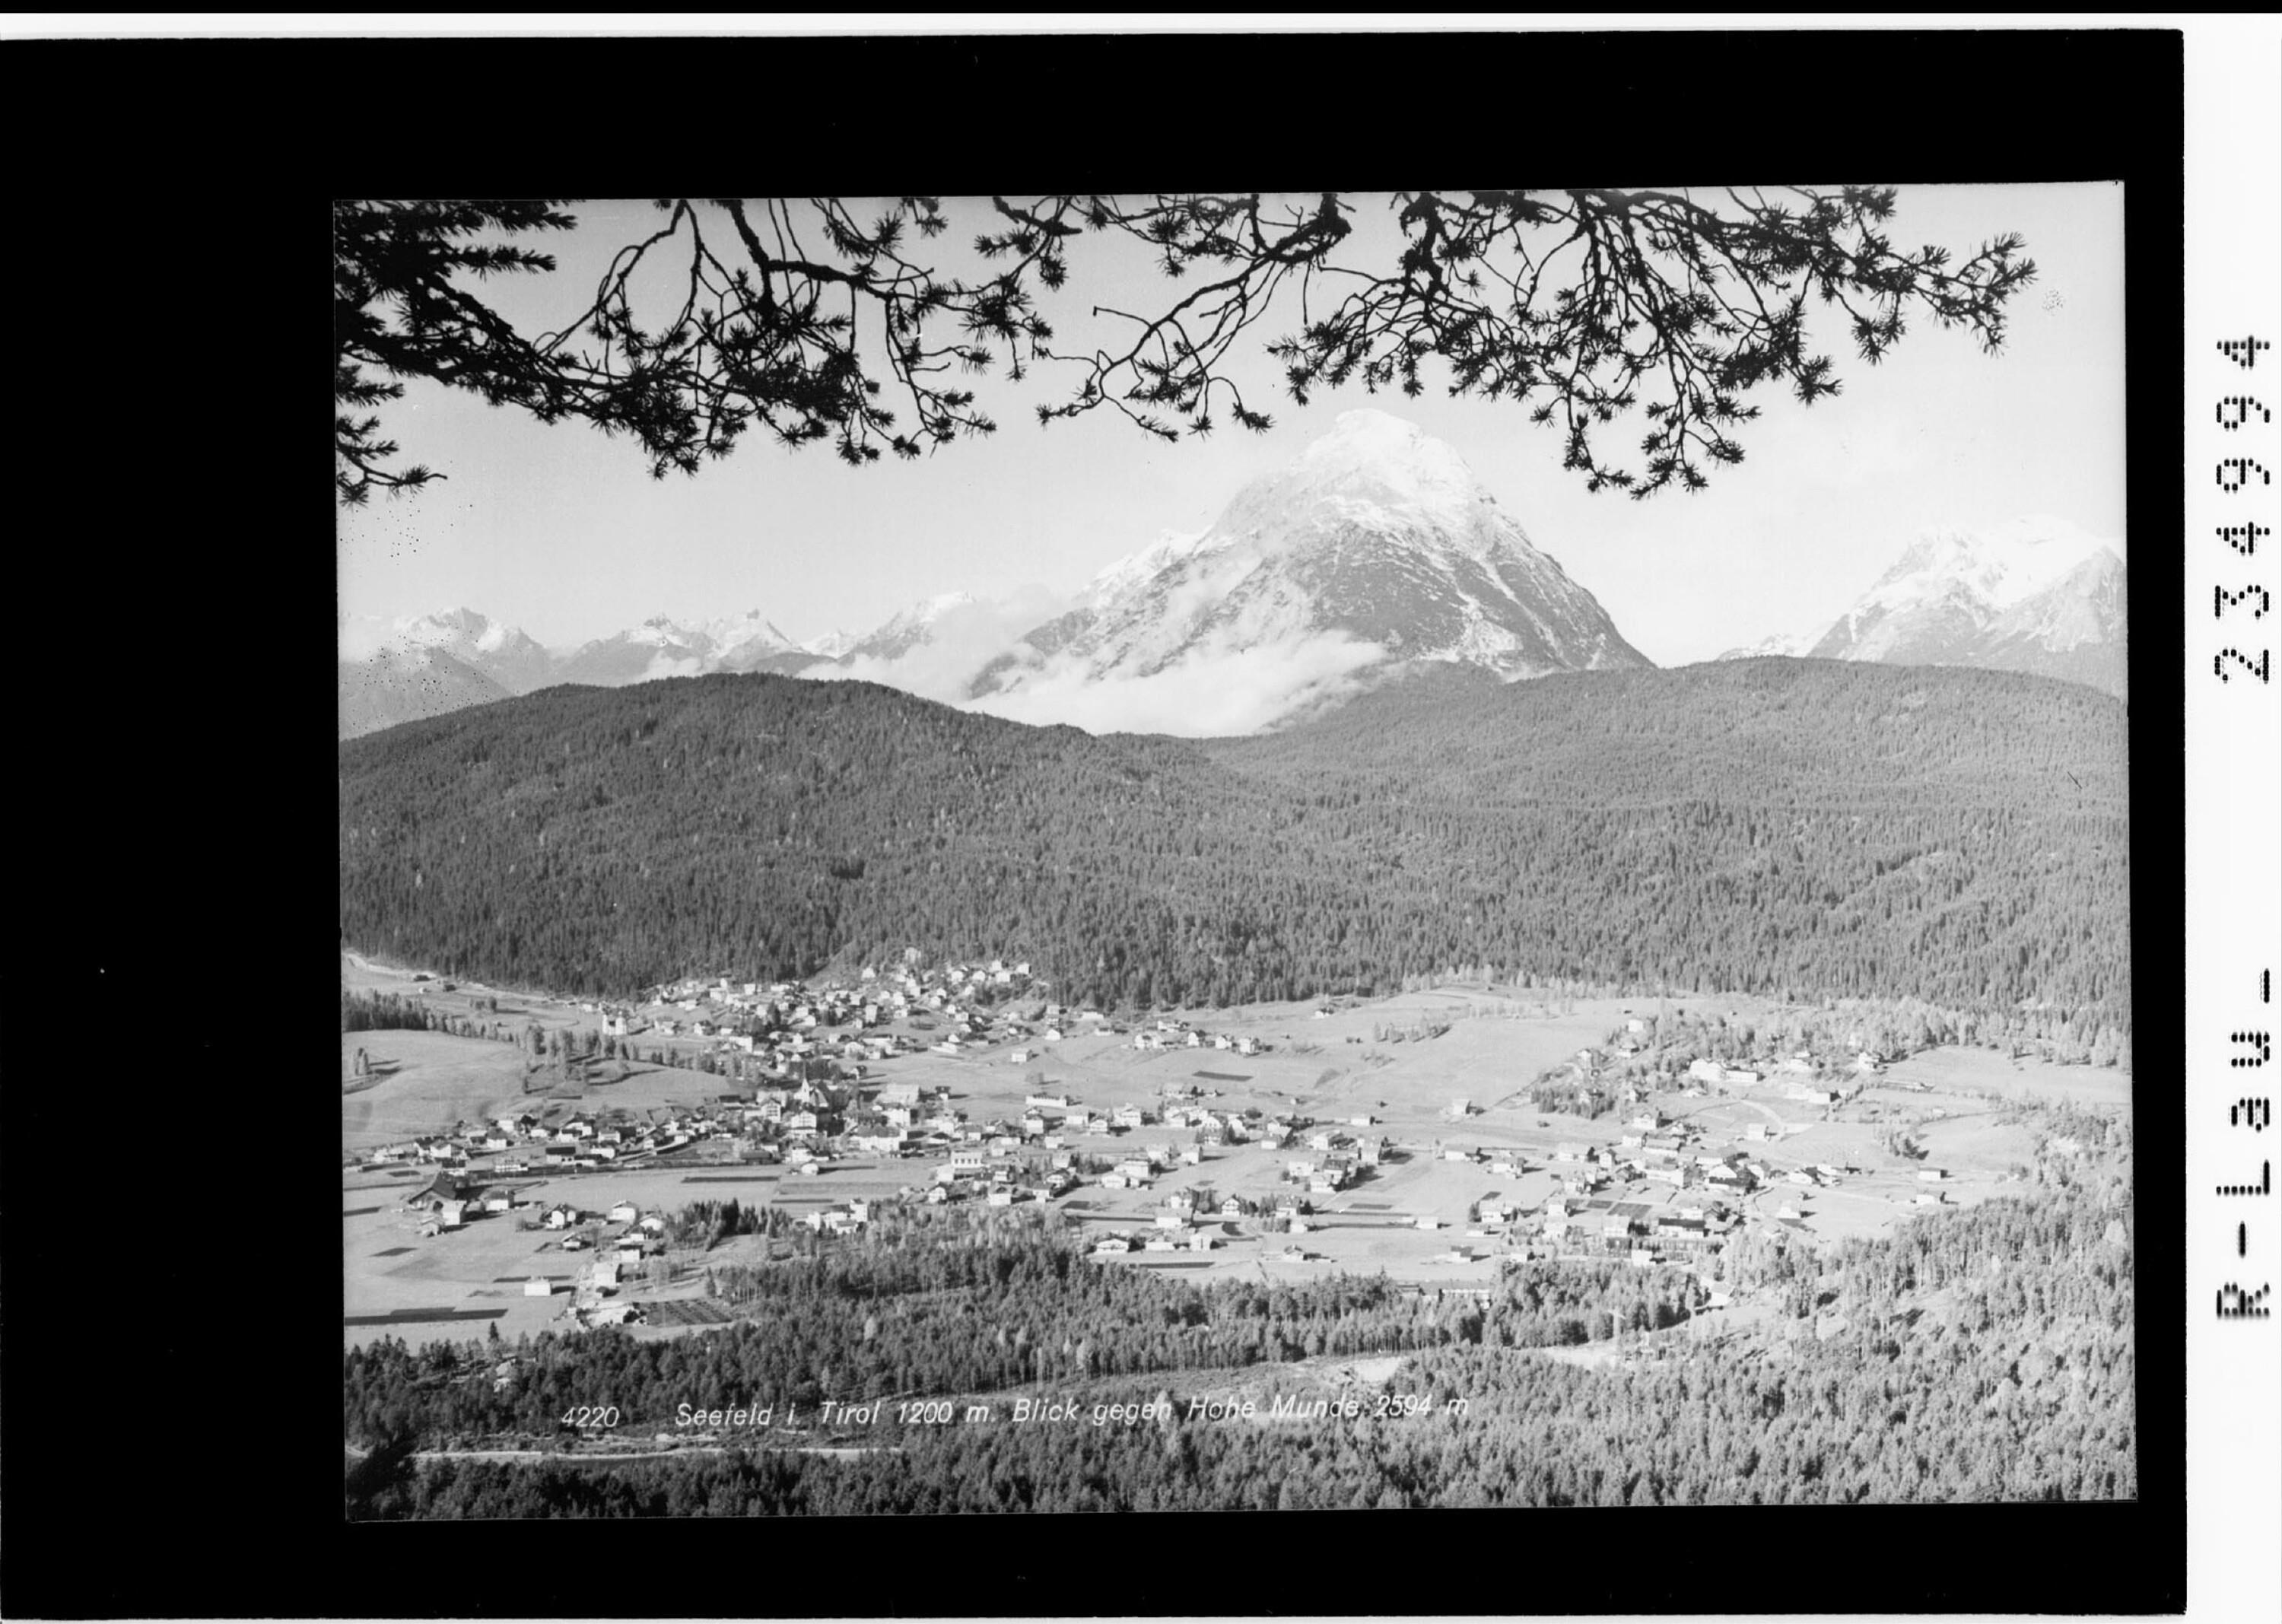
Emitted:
pixel 1216 690
pixel 962 640
pixel 1225 686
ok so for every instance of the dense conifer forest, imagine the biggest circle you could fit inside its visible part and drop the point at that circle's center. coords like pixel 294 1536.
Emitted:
pixel 1984 1354
pixel 1810 828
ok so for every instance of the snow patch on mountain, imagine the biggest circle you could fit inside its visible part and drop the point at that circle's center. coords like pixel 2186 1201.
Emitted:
pixel 1117 579
pixel 1789 644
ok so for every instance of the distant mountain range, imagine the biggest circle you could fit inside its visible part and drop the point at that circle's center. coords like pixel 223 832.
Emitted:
pixel 1374 552
pixel 431 663
pixel 2037 594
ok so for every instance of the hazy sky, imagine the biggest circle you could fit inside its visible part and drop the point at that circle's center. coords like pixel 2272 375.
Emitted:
pixel 561 531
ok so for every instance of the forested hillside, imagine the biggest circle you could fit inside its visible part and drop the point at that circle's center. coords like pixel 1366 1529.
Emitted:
pixel 1806 827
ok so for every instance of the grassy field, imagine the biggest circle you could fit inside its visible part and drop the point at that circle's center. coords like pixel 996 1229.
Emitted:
pixel 1969 1071
pixel 388 1267
pixel 424 1081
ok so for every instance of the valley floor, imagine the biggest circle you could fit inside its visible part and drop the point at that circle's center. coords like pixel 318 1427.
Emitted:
pixel 464 1281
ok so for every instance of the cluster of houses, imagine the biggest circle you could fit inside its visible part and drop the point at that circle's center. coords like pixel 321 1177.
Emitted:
pixel 1336 1155
pixel 1180 1225
pixel 1185 1240
pixel 623 1239
pixel 1182 1035
pixel 638 1236
pixel 522 1142
pixel 995 1175
pixel 1804 1076
pixel 788 1028
pixel 448 1201
pixel 1649 1150
pixel 1801 1076
pixel 1642 1234
pixel 815 1047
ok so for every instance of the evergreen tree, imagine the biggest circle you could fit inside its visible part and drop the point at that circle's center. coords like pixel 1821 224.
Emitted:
pixel 1679 303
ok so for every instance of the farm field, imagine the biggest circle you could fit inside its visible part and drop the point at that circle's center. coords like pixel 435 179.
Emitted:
pixel 388 1268
pixel 424 1081
pixel 1960 1069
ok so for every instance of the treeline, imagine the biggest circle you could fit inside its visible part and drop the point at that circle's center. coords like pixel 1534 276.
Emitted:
pixel 393 1011
pixel 922 1304
pixel 928 1301
pixel 559 1048
pixel 1573 1094
pixel 1833 1033
pixel 1807 829
pixel 2014 1382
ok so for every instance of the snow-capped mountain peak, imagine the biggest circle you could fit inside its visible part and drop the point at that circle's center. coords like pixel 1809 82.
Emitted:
pixel 659 630
pixel 464 634
pixel 2001 564
pixel 2036 593
pixel 1789 644
pixel 1376 471
pixel 450 628
pixel 750 630
pixel 1375 545
pixel 928 610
